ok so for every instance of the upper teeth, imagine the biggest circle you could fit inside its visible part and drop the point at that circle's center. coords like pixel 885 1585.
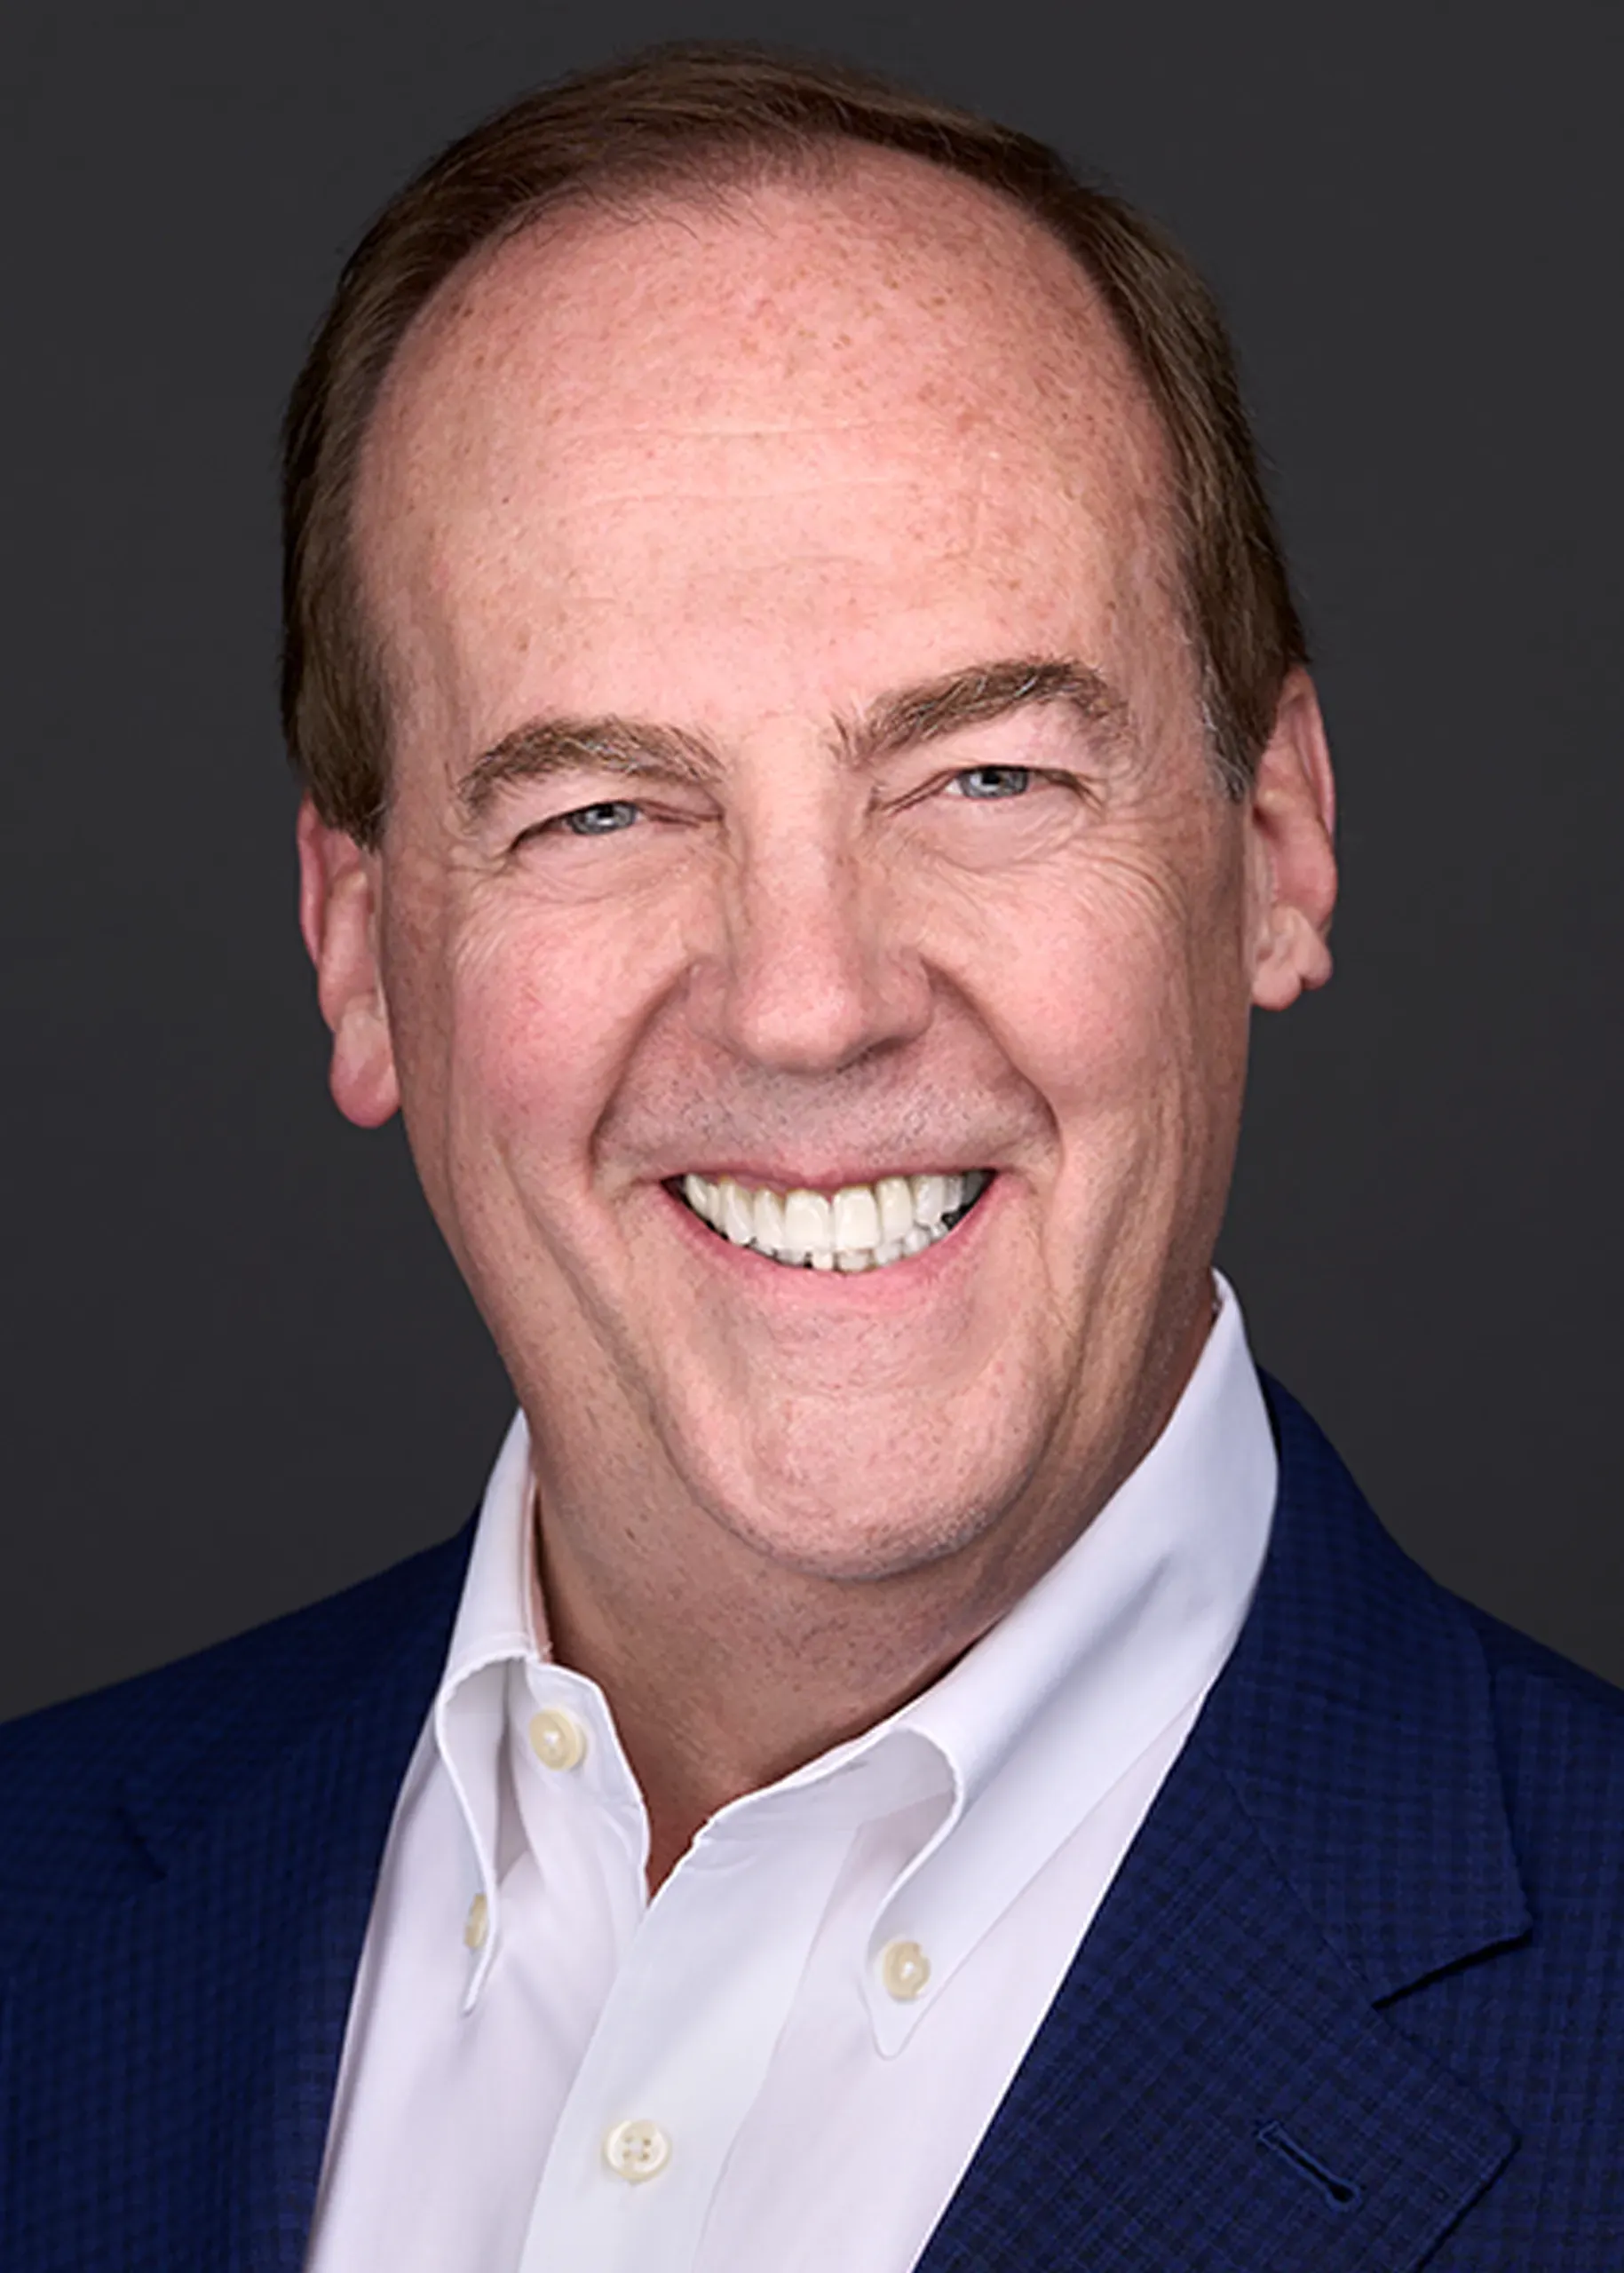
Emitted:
pixel 861 1227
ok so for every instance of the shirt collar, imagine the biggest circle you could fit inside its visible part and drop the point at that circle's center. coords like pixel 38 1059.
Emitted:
pixel 495 1626
pixel 1123 1633
pixel 1032 1727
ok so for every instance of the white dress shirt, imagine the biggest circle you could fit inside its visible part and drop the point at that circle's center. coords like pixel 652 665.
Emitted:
pixel 788 2056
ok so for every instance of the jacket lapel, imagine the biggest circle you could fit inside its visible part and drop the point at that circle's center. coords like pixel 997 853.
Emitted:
pixel 1217 2084
pixel 185 2126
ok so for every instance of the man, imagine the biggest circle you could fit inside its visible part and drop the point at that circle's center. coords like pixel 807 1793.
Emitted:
pixel 809 766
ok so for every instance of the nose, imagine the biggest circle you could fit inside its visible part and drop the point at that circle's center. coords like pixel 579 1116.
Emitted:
pixel 814 970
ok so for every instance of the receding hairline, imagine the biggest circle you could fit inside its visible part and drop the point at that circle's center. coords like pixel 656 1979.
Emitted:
pixel 731 185
pixel 733 195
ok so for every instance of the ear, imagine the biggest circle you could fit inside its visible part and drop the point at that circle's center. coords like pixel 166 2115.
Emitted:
pixel 338 915
pixel 1291 816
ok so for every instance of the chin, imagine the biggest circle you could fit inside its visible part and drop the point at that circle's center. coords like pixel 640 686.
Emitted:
pixel 855 1511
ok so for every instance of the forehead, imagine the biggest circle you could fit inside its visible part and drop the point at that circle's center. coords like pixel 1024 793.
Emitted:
pixel 811 400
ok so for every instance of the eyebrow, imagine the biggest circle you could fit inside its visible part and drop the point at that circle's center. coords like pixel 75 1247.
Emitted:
pixel 905 719
pixel 977 696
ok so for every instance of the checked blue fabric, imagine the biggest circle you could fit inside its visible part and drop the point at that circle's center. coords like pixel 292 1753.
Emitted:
pixel 1355 2000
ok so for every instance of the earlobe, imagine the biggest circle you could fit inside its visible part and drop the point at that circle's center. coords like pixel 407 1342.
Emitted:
pixel 1292 817
pixel 338 912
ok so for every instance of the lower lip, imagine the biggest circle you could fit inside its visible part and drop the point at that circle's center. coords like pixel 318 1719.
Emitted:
pixel 862 1290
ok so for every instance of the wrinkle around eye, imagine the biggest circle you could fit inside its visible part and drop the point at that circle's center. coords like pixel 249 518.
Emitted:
pixel 1041 818
pixel 546 862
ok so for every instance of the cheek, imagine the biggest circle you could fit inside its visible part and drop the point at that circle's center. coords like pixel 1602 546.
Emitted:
pixel 528 1031
pixel 1127 1002
pixel 546 1011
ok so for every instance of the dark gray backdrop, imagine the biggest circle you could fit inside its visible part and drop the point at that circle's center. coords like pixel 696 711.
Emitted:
pixel 240 1370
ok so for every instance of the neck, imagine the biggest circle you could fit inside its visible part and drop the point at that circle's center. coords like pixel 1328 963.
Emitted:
pixel 719 1688
pixel 726 1670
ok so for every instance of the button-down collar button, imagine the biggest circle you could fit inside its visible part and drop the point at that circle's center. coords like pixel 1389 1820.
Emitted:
pixel 904 1969
pixel 557 1738
pixel 637 2150
pixel 477 1922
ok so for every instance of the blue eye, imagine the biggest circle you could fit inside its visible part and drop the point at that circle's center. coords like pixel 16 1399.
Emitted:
pixel 993 781
pixel 599 820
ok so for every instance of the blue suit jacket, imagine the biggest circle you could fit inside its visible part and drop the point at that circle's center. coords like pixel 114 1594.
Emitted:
pixel 1355 2000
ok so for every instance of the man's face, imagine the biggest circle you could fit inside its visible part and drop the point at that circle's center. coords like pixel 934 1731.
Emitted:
pixel 798 785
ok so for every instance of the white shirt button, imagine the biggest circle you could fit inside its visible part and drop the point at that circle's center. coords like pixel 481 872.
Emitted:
pixel 904 1969
pixel 478 1924
pixel 557 1738
pixel 637 2150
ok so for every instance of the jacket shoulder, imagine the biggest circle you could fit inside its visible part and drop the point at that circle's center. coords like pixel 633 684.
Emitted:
pixel 1435 1698
pixel 192 1731
pixel 1531 1675
pixel 1561 1740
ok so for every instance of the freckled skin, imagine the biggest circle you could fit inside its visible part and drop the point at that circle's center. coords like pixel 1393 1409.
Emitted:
pixel 743 468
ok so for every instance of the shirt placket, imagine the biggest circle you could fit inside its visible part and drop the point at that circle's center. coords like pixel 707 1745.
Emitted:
pixel 682 2044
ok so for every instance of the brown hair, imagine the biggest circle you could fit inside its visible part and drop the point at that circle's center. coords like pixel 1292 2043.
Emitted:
pixel 695 115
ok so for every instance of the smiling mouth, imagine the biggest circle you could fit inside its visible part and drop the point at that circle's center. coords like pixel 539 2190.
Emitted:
pixel 861 1227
